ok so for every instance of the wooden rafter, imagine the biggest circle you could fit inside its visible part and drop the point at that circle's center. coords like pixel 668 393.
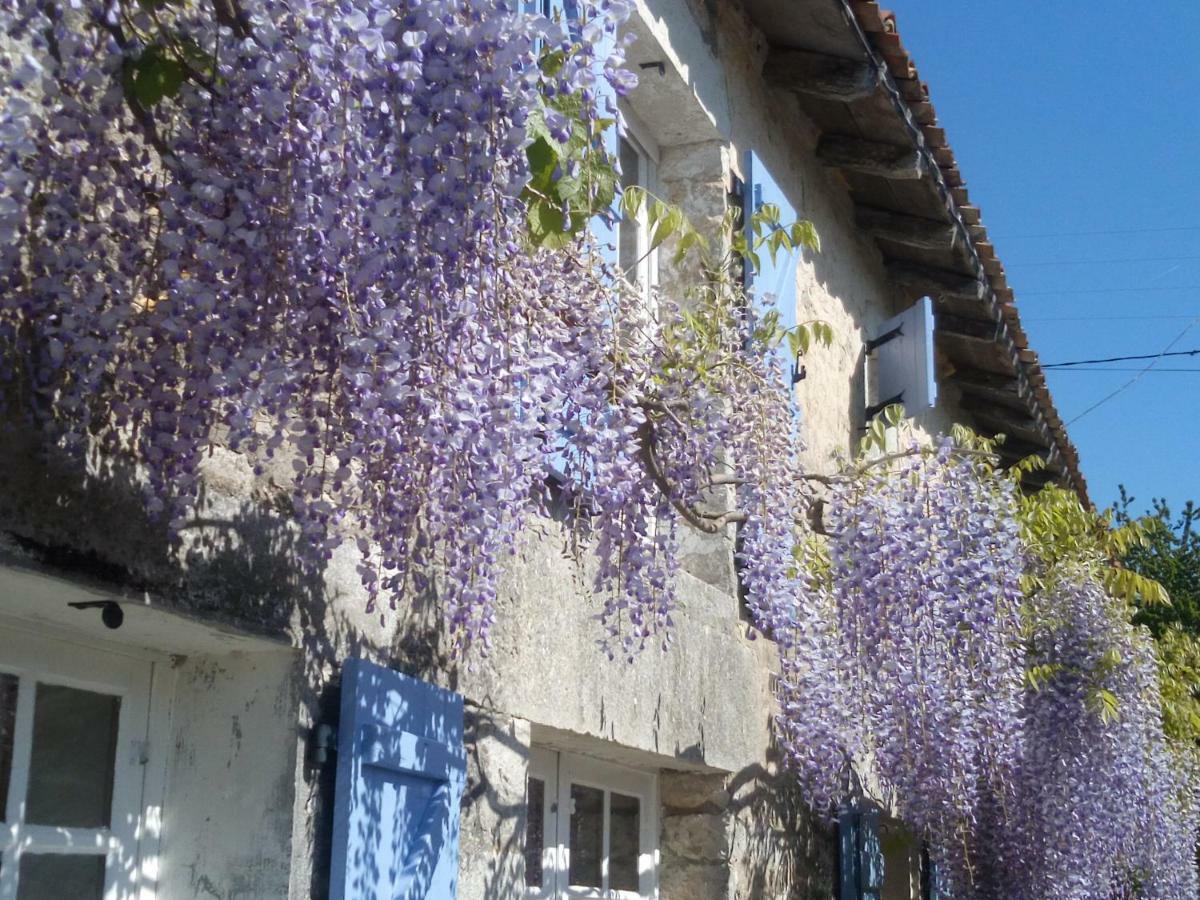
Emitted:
pixel 820 75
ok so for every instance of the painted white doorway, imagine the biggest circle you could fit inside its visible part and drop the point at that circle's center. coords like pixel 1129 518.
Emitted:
pixel 76 779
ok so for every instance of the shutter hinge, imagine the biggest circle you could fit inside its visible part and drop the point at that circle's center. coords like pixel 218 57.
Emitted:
pixel 139 752
pixel 324 743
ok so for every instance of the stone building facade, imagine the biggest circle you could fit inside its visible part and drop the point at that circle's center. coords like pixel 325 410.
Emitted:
pixel 223 752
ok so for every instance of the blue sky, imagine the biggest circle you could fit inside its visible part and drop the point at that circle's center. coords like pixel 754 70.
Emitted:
pixel 1085 117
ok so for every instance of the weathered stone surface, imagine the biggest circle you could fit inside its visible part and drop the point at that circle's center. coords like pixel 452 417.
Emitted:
pixel 698 837
pixel 697 882
pixel 692 792
pixel 491 842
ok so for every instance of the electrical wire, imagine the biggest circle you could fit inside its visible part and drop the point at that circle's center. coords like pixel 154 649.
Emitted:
pixel 1089 362
pixel 1122 369
pixel 1099 318
pixel 1134 380
pixel 1137 290
pixel 1050 234
pixel 1102 261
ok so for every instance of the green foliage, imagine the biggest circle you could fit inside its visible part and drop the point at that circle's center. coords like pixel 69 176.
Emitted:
pixel 876 437
pixel 1064 535
pixel 1170 554
pixel 1179 683
pixel 570 181
pixel 153 76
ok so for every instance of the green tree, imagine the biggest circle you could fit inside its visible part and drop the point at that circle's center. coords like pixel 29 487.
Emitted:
pixel 1170 554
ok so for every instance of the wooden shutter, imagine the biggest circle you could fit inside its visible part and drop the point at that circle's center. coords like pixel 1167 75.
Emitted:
pixel 870 855
pixel 777 277
pixel 401 770
pixel 848 859
pixel 931 879
pixel 860 854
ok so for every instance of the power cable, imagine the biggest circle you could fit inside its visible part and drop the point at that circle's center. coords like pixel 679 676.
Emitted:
pixel 1089 362
pixel 1137 290
pixel 1109 261
pixel 1122 369
pixel 1050 234
pixel 1098 318
pixel 1132 381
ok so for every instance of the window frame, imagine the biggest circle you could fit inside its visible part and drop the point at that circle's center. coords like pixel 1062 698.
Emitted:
pixel 559 770
pixel 634 132
pixel 130 843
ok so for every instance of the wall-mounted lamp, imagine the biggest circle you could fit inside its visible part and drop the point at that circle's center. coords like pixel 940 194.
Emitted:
pixel 111 613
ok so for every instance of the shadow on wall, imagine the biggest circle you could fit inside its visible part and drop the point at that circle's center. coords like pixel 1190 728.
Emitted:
pixel 745 835
pixel 781 847
pixel 239 562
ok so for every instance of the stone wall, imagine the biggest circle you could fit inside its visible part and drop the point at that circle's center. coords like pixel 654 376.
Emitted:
pixel 700 712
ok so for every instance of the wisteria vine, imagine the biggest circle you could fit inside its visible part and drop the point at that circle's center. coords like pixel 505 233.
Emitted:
pixel 345 239
pixel 1017 729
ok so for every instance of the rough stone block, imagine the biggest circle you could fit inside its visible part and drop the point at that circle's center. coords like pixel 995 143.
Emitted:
pixel 702 837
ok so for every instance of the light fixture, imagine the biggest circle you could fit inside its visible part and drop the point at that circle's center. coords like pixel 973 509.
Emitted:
pixel 111 613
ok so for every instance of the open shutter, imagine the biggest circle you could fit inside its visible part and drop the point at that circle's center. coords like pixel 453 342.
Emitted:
pixel 870 855
pixel 848 859
pixel 860 854
pixel 931 879
pixel 776 277
pixel 400 775
pixel 604 42
pixel 904 360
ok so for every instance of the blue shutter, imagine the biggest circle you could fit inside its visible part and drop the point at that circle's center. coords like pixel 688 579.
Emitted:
pixel 401 770
pixel 848 859
pixel 603 227
pixel 776 277
pixel 860 854
pixel 931 878
pixel 870 855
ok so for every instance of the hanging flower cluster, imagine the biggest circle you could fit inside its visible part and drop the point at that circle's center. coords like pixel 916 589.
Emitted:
pixel 1019 734
pixel 1103 808
pixel 317 234
pixel 298 232
pixel 924 587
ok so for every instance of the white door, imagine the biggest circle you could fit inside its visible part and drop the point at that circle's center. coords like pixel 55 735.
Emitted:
pixel 73 732
pixel 591 829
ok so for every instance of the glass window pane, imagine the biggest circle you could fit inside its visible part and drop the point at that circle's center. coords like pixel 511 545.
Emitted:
pixel 54 876
pixel 627 244
pixel 535 831
pixel 8 721
pixel 624 832
pixel 587 835
pixel 73 755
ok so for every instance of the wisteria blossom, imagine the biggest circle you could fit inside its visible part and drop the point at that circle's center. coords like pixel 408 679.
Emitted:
pixel 1103 807
pixel 311 251
pixel 297 229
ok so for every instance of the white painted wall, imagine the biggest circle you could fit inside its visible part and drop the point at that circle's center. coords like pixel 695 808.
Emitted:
pixel 227 820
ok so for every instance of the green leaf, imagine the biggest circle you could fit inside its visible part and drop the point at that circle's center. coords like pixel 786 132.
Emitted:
pixel 632 199
pixel 154 76
pixel 804 234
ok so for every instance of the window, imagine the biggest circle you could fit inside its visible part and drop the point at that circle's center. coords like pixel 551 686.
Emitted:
pixel 73 727
pixel 591 828
pixel 638 157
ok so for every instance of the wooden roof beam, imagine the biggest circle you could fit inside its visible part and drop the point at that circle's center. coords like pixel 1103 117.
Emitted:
pixel 975 328
pixel 909 231
pixel 1001 420
pixel 820 75
pixel 936 282
pixel 894 162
